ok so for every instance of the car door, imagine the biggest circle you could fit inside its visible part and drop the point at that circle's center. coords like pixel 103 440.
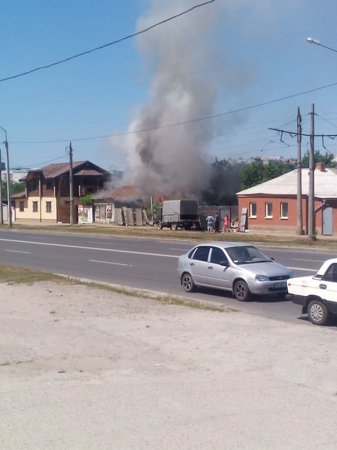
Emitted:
pixel 218 269
pixel 328 286
pixel 199 265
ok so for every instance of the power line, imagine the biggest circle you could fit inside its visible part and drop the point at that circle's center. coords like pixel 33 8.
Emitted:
pixel 186 122
pixel 101 47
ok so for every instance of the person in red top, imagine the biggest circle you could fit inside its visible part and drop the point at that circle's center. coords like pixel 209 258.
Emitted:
pixel 226 224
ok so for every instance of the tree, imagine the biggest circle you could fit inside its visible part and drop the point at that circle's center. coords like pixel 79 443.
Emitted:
pixel 326 158
pixel 224 183
pixel 257 172
pixel 15 188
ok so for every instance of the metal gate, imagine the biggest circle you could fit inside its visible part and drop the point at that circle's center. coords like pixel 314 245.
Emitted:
pixel 327 229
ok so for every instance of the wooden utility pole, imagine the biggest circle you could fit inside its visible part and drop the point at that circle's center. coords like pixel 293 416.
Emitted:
pixel 71 185
pixel 299 174
pixel 1 210
pixel 311 199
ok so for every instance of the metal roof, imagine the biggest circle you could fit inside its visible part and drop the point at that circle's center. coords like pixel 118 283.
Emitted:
pixel 325 183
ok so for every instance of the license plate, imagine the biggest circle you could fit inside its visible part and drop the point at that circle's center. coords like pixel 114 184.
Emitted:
pixel 280 285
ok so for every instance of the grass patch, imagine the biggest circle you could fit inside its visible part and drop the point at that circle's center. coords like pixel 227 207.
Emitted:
pixel 17 275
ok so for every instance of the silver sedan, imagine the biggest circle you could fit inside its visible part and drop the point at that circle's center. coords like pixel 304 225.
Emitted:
pixel 238 267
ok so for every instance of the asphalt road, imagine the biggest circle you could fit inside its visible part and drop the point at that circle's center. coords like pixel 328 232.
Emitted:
pixel 141 263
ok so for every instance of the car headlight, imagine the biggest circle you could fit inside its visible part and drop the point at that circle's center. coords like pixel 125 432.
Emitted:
pixel 261 278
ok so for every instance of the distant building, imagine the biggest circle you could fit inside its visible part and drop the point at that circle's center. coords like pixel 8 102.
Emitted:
pixel 15 175
pixel 47 193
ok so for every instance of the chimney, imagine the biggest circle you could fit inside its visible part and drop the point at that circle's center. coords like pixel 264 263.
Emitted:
pixel 320 166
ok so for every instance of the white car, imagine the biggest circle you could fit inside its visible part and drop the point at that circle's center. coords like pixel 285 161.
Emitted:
pixel 317 294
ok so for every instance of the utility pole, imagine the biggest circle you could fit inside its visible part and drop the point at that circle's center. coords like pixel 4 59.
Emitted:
pixel 311 199
pixel 71 185
pixel 1 210
pixel 299 174
pixel 9 200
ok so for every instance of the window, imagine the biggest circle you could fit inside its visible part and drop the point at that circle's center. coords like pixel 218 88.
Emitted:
pixel 201 253
pixel 22 206
pixel 35 207
pixel 218 256
pixel 331 273
pixel 49 185
pixel 252 209
pixel 48 207
pixel 269 210
pixel 284 210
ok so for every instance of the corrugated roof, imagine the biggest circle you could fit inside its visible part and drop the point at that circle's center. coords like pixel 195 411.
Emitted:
pixel 325 184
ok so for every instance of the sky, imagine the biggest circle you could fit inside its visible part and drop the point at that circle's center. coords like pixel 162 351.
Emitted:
pixel 210 80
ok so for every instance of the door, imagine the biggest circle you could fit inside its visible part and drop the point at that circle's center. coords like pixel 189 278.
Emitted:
pixel 199 265
pixel 327 228
pixel 218 272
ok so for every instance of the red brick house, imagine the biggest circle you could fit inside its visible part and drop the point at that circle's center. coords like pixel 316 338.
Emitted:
pixel 47 194
pixel 273 204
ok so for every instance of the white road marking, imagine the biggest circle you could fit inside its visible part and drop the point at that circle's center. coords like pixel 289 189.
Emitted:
pixel 82 247
pixel 319 261
pixel 303 268
pixel 16 251
pixel 108 262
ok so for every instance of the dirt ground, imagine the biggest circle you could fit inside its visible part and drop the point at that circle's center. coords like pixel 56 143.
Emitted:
pixel 82 368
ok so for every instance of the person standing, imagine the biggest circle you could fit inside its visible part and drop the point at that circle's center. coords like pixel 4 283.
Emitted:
pixel 209 222
pixel 226 224
pixel 217 223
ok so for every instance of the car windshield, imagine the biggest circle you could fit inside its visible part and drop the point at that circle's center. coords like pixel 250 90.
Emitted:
pixel 246 255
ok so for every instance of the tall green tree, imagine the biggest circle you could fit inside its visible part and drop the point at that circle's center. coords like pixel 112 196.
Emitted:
pixel 15 188
pixel 257 172
pixel 326 158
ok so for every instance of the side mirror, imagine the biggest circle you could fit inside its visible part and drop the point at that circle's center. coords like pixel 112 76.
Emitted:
pixel 224 263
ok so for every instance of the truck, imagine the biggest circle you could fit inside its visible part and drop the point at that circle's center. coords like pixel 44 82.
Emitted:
pixel 176 214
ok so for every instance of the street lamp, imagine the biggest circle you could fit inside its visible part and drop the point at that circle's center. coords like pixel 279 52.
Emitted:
pixel 9 201
pixel 315 41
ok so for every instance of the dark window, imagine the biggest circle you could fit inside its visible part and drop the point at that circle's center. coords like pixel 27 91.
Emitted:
pixel 218 256
pixel 48 207
pixel 331 273
pixel 284 210
pixel 49 185
pixel 22 206
pixel 252 210
pixel 35 207
pixel 201 254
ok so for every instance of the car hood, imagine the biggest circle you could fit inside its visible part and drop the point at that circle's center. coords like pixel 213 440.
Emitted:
pixel 269 269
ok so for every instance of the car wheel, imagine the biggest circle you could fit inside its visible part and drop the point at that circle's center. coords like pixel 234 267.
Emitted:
pixel 317 312
pixel 187 282
pixel 241 291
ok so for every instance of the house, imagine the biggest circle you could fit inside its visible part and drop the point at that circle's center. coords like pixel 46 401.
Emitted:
pixel 47 194
pixel 273 204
